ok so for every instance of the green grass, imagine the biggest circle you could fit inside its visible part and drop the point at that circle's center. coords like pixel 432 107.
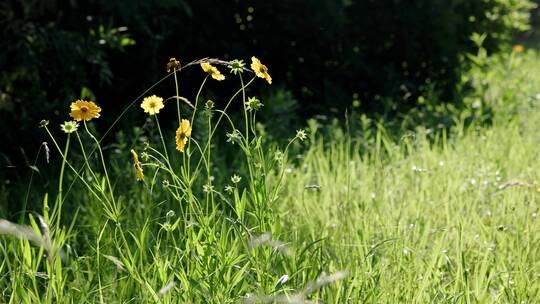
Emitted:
pixel 435 216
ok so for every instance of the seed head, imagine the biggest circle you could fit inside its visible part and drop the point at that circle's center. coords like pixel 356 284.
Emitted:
pixel 253 104
pixel 173 65
pixel 43 123
pixel 237 66
pixel 229 189
pixel 69 126
pixel 301 134
pixel 236 179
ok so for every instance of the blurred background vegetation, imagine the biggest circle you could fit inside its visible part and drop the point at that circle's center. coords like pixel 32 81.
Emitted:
pixel 384 58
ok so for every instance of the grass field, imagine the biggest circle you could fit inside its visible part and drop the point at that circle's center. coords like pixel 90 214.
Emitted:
pixel 429 216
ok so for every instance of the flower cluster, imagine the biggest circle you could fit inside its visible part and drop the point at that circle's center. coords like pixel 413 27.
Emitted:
pixel 83 110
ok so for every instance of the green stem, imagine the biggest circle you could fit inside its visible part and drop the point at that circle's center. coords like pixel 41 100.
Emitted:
pixel 282 173
pixel 192 121
pixel 221 116
pixel 197 99
pixel 98 253
pixel 245 110
pixel 85 157
pixel 248 147
pixel 72 168
pixel 162 139
pixel 102 161
pixel 63 167
pixel 27 196
pixel 167 159
pixel 177 96
pixel 209 167
pixel 58 206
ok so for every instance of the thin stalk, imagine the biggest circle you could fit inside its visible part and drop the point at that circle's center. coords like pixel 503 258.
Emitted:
pixel 58 206
pixel 221 116
pixel 167 159
pixel 102 161
pixel 209 167
pixel 71 167
pixel 191 122
pixel 27 196
pixel 245 109
pixel 197 99
pixel 247 145
pixel 85 157
pixel 98 254
pixel 282 173
pixel 162 139
pixel 203 152
pixel 177 96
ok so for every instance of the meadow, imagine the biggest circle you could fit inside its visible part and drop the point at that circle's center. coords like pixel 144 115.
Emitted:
pixel 335 215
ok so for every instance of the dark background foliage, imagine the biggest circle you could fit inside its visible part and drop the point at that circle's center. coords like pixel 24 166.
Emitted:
pixel 326 53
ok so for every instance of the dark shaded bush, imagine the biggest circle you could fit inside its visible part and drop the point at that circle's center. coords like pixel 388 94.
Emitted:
pixel 328 53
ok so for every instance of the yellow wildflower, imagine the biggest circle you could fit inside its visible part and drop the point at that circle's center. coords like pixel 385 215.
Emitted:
pixel 84 110
pixel 138 167
pixel 182 135
pixel 518 48
pixel 212 70
pixel 260 69
pixel 152 104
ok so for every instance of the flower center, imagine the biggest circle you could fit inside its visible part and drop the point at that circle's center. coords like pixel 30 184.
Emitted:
pixel 262 69
pixel 84 109
pixel 152 105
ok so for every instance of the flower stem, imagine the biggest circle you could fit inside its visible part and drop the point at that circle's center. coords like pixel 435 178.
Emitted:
pixel 102 161
pixel 162 139
pixel 191 122
pixel 245 110
pixel 58 206
pixel 210 193
pixel 167 159
pixel 177 96
pixel 85 156
pixel 221 116
pixel 71 167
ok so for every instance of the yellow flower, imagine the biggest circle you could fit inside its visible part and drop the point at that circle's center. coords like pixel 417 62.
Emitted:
pixel 84 110
pixel 182 135
pixel 260 69
pixel 212 70
pixel 137 164
pixel 518 48
pixel 152 104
